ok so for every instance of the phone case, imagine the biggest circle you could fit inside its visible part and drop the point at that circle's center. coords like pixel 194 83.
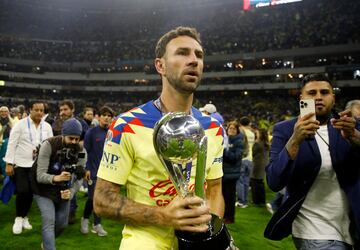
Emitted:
pixel 307 106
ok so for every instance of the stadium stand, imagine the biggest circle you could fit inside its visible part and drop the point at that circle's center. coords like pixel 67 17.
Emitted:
pixel 65 49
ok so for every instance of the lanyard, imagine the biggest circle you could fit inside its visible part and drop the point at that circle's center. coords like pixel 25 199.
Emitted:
pixel 30 134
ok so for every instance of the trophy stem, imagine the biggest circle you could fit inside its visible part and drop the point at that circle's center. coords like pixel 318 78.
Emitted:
pixel 200 169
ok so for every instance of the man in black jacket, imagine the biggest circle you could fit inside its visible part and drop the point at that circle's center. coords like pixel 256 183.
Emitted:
pixel 60 163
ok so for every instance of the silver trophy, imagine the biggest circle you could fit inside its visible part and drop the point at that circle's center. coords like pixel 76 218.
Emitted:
pixel 179 139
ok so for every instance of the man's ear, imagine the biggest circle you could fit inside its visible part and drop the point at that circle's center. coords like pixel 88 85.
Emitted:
pixel 160 66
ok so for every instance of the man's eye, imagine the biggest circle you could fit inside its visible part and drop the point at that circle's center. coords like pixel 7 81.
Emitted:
pixel 181 53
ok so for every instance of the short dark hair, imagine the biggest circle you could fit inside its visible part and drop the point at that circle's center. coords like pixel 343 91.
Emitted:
pixel 172 34
pixel 86 109
pixel 69 103
pixel 315 77
pixel 106 109
pixel 32 103
pixel 244 121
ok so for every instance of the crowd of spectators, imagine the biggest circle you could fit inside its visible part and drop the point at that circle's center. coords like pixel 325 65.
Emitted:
pixel 263 109
pixel 50 33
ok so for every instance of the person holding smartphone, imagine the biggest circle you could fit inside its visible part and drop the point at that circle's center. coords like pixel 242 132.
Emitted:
pixel 317 161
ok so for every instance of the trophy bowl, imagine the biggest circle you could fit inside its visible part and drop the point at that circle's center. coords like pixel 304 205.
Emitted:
pixel 178 137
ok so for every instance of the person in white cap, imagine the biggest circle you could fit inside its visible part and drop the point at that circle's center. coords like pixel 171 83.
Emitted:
pixel 210 109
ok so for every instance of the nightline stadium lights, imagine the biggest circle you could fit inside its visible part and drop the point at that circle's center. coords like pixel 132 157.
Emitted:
pixel 249 4
pixel 239 66
pixel 357 74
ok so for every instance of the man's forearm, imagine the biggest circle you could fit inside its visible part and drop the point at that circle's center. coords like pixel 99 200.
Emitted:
pixel 108 202
pixel 215 197
pixel 292 148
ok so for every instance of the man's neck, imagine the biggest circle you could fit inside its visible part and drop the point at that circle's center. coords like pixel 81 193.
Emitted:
pixel 173 101
pixel 103 126
pixel 35 121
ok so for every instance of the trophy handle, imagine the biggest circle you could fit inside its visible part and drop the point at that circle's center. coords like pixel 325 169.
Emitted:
pixel 200 168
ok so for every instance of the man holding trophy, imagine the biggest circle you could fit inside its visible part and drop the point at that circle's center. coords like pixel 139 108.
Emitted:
pixel 153 209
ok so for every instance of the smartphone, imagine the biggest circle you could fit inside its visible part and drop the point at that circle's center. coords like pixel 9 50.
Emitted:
pixel 307 106
pixel 335 114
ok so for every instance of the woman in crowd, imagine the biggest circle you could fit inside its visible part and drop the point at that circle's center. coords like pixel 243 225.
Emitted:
pixel 232 162
pixel 260 153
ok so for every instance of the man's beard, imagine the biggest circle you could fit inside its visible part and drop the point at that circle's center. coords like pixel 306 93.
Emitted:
pixel 182 86
pixel 323 119
pixel 74 147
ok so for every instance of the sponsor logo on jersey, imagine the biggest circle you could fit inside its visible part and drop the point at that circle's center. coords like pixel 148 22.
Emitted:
pixel 218 159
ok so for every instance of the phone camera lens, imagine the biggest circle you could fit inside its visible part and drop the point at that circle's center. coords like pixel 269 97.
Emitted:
pixel 302 106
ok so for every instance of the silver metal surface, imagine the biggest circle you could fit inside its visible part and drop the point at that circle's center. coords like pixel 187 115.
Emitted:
pixel 178 139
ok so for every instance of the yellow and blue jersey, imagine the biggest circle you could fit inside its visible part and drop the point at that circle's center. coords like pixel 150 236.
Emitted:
pixel 129 159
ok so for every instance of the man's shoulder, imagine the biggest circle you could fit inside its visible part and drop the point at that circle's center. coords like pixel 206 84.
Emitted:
pixel 209 123
pixel 134 122
pixel 145 115
pixel 286 123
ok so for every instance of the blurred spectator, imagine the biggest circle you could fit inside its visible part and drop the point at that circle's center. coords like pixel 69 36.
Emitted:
pixel 354 105
pixel 66 111
pixel 47 116
pixel 210 109
pixel 22 112
pixel 88 117
pixel 260 156
pixel 276 202
pixel 94 144
pixel 243 183
pixel 5 123
pixel 14 114
pixel 231 167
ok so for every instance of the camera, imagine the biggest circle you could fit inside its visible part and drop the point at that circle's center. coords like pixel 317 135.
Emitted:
pixel 69 157
pixel 79 171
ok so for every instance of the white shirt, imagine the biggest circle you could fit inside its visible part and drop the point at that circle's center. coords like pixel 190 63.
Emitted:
pixel 324 214
pixel 23 140
pixel 251 140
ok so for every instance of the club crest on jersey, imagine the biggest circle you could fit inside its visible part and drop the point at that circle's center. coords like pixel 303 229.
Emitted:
pixel 109 136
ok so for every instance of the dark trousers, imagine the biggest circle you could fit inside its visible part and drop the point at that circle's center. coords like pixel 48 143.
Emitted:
pixel 257 191
pixel 24 195
pixel 229 193
pixel 89 204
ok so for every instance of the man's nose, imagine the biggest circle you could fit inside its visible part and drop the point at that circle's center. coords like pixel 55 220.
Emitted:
pixel 193 59
pixel 318 95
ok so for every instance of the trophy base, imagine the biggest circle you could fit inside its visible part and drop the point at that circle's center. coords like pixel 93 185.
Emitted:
pixel 216 238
